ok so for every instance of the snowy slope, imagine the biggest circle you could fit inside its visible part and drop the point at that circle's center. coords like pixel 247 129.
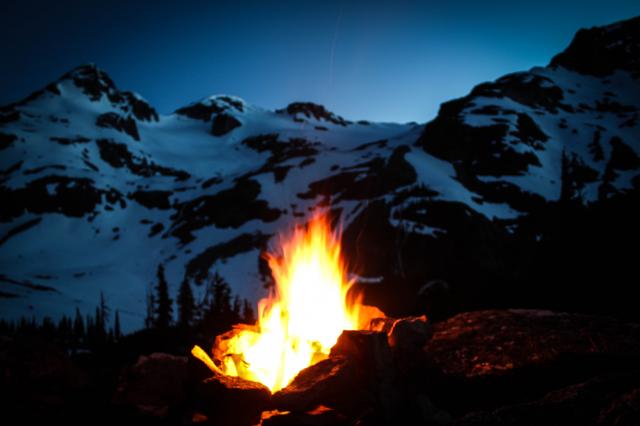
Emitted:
pixel 98 189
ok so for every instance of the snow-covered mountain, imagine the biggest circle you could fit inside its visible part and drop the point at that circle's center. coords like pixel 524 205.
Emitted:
pixel 97 189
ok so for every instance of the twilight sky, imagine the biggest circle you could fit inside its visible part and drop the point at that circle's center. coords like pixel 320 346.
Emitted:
pixel 382 61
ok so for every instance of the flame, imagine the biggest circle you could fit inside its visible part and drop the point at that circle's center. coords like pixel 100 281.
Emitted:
pixel 303 317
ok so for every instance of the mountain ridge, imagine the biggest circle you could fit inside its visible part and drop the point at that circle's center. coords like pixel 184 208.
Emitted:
pixel 469 198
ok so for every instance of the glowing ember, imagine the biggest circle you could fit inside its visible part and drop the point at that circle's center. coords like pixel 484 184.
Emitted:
pixel 303 317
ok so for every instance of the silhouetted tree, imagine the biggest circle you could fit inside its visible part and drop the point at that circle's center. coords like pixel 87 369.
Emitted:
pixel 248 316
pixel 78 328
pixel 117 333
pixel 150 317
pixel 186 305
pixel 164 306
pixel 219 313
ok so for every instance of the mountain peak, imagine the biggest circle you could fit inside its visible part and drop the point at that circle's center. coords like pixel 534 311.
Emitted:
pixel 215 104
pixel 312 110
pixel 93 81
pixel 600 51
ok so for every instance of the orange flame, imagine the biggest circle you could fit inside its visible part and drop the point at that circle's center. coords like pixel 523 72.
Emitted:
pixel 303 317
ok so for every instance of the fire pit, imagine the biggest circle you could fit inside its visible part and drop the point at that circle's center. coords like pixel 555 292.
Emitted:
pixel 302 317
pixel 315 345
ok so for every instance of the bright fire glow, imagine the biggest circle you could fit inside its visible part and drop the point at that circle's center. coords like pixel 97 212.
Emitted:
pixel 303 317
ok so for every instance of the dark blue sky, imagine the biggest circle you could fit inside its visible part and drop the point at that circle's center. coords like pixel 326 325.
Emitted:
pixel 385 61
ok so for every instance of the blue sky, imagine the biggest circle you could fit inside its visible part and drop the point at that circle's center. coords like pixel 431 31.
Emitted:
pixel 382 61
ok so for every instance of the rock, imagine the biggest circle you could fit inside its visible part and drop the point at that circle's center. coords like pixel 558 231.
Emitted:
pixel 223 124
pixel 486 359
pixel 231 400
pixel 624 410
pixel 121 124
pixel 320 416
pixel 154 385
pixel 607 400
pixel 408 333
pixel 406 337
pixel 335 382
pixel 311 110
pixel 370 352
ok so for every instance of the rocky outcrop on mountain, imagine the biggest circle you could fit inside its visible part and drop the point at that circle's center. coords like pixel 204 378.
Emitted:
pixel 601 51
pixel 308 110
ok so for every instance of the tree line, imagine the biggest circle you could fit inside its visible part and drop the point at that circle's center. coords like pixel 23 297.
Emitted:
pixel 193 320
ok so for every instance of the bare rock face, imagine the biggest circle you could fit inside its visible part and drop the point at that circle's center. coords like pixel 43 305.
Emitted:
pixel 223 124
pixel 154 386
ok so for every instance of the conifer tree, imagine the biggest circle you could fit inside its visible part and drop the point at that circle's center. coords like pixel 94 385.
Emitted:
pixel 164 306
pixel 150 317
pixel 117 333
pixel 186 305
pixel 248 316
pixel 78 328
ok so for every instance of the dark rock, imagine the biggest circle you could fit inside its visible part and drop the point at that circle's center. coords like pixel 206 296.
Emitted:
pixel 229 208
pixel 156 229
pixel 198 268
pixel 223 124
pixel 119 123
pixel 606 400
pixel 601 50
pixel 486 359
pixel 370 352
pixel 118 155
pixel 57 194
pixel 406 337
pixel 93 81
pixel 335 382
pixel 368 180
pixel 140 108
pixel 311 110
pixel 200 111
pixel 280 151
pixel 152 199
pixel 154 385
pixel 321 416
pixel 69 141
pixel 231 400
pixel 529 132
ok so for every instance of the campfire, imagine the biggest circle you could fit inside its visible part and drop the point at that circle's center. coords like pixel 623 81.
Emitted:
pixel 302 317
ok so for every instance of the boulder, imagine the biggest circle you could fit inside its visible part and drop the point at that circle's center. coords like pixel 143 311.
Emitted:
pixel 230 400
pixel 606 400
pixel 486 359
pixel 335 382
pixel 320 416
